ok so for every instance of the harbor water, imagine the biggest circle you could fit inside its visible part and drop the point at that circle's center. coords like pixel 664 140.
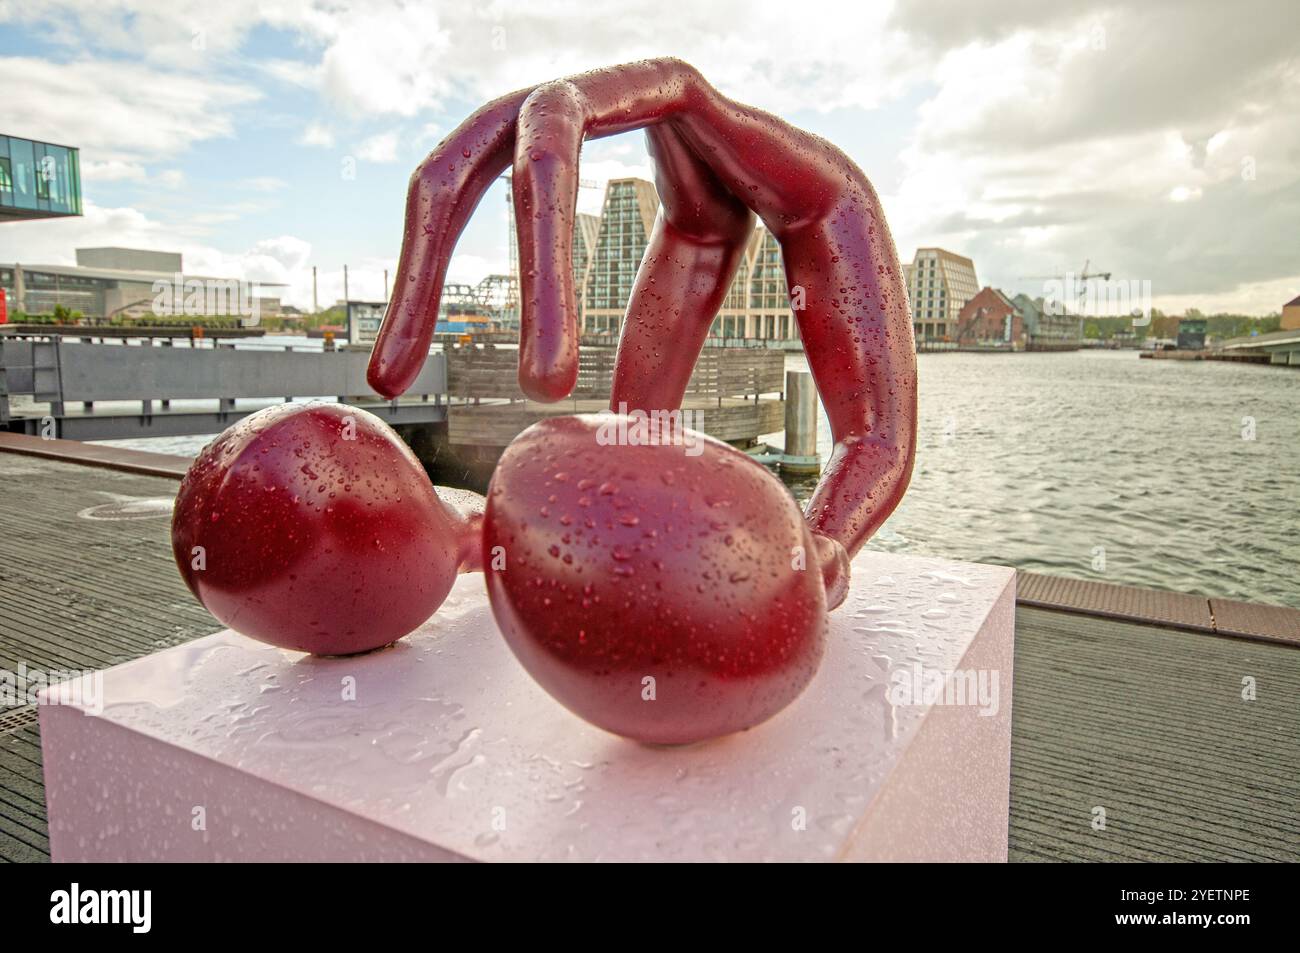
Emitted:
pixel 1094 464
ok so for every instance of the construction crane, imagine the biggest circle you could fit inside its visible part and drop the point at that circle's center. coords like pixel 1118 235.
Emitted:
pixel 1082 278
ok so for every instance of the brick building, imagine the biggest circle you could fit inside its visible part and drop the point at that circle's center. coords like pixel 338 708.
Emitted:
pixel 990 319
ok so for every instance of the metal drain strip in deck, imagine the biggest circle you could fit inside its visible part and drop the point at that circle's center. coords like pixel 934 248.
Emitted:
pixel 16 719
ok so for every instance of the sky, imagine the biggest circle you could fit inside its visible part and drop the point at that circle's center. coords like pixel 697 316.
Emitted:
pixel 1158 141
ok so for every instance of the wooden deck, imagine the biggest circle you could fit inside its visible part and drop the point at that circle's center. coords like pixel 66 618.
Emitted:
pixel 1142 720
pixel 77 593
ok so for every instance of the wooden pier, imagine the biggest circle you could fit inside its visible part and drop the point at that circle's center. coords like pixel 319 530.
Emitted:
pixel 734 394
pixel 109 332
pixel 1125 699
pixel 459 414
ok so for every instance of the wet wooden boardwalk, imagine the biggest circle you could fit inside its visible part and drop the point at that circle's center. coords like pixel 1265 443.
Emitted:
pixel 1147 723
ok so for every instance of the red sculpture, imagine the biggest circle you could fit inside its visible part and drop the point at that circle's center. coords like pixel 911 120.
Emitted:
pixel 315 528
pixel 664 596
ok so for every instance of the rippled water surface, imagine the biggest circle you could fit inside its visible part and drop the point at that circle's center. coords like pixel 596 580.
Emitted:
pixel 1103 466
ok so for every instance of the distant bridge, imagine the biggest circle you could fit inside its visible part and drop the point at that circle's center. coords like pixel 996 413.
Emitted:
pixel 75 379
pixel 1281 347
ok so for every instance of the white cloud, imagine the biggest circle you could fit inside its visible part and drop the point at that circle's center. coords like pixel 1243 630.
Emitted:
pixel 469 269
pixel 117 110
pixel 263 183
pixel 382 57
pixel 112 170
pixel 404 58
pixel 1042 147
pixel 51 241
pixel 379 148
pixel 317 134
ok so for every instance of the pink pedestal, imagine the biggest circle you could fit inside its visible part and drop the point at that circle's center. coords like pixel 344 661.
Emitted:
pixel 442 748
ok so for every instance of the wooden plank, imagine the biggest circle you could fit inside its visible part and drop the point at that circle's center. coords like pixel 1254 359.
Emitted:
pixel 1149 724
pixel 84 592
pixel 78 594
pixel 1101 598
pixel 23 830
pixel 96 455
pixel 1251 620
pixel 1183 610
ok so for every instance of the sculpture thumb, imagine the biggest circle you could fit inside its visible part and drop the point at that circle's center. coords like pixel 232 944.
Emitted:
pixel 833 559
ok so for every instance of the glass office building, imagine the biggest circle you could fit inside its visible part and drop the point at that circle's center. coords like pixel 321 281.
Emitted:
pixel 38 180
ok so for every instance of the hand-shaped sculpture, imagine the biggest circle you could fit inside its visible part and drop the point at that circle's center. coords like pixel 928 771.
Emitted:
pixel 666 597
pixel 715 160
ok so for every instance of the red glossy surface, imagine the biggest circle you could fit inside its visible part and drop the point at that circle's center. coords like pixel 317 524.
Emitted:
pixel 317 530
pixel 747 645
pixel 654 592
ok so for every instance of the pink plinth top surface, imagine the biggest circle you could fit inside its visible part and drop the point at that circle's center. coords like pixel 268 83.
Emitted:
pixel 450 741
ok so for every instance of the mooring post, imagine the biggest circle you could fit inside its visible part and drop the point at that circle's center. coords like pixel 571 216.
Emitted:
pixel 800 454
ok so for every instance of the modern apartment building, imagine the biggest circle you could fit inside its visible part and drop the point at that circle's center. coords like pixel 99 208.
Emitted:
pixel 607 252
pixel 757 304
pixel 625 223
pixel 939 284
pixel 763 272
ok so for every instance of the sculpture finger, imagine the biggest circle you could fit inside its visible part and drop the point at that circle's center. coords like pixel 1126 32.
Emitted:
pixel 547 145
pixel 444 191
pixel 699 237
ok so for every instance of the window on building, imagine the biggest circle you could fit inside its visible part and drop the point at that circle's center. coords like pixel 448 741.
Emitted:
pixel 22 169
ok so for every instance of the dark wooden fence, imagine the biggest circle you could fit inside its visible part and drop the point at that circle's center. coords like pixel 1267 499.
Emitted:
pixel 485 371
